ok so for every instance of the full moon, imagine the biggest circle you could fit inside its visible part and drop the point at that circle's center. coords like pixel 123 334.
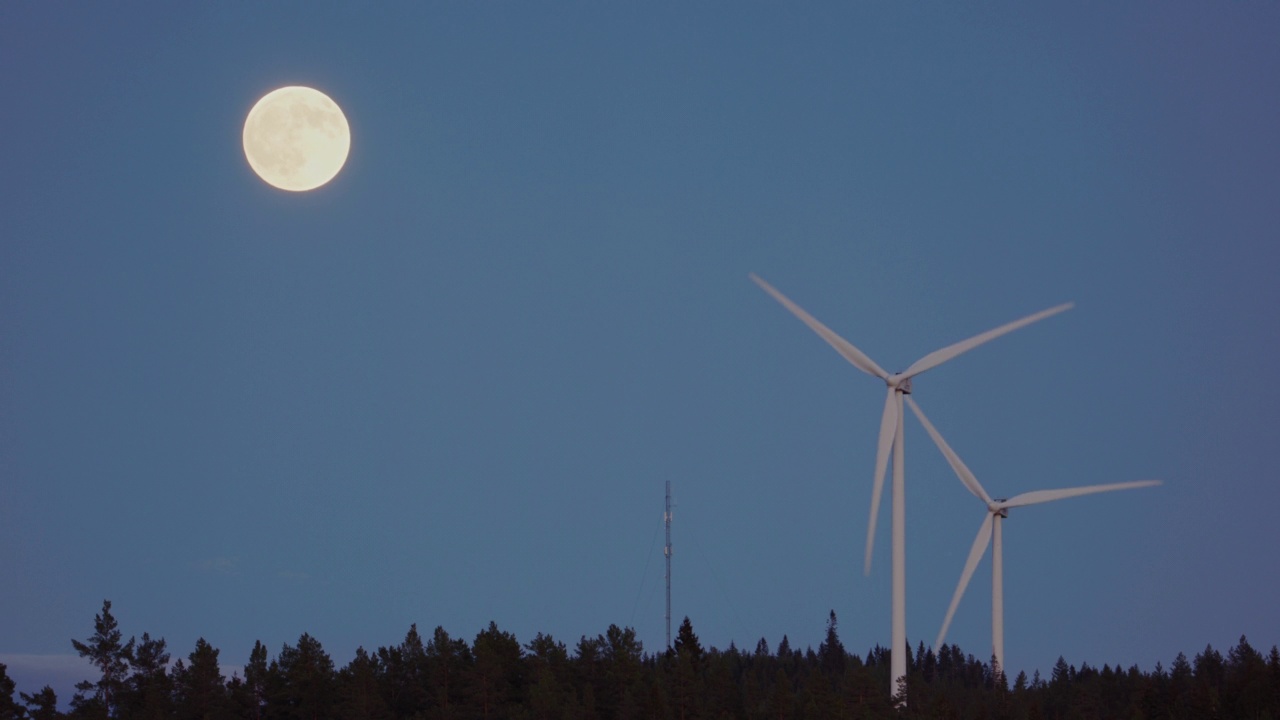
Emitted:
pixel 296 138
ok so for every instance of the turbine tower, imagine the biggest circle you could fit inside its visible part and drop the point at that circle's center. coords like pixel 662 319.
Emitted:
pixel 989 533
pixel 899 385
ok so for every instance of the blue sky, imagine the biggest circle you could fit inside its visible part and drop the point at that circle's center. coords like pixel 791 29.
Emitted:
pixel 448 387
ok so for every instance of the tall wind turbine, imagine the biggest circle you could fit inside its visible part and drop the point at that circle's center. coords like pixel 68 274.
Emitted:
pixel 899 385
pixel 989 533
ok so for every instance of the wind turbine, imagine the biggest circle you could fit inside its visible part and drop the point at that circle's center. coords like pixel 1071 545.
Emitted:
pixel 899 385
pixel 989 533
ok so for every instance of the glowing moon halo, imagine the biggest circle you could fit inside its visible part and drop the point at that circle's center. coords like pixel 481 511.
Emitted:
pixel 296 138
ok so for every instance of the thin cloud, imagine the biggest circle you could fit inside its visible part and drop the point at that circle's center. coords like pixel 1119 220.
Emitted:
pixel 60 672
pixel 221 566
pixel 46 663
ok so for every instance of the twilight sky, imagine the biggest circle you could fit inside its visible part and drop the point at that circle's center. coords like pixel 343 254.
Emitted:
pixel 448 387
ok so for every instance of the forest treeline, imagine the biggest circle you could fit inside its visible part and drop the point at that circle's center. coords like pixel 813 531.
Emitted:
pixel 610 677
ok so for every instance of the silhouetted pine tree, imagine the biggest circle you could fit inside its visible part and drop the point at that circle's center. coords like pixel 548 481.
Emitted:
pixel 9 708
pixel 497 675
pixel 723 682
pixel 550 683
pixel 402 673
pixel 147 694
pixel 686 675
pixel 42 705
pixel 782 699
pixel 249 699
pixel 1245 687
pixel 622 655
pixel 359 689
pixel 110 656
pixel 306 682
pixel 831 652
pixel 200 690
pixel 448 664
pixel 1208 672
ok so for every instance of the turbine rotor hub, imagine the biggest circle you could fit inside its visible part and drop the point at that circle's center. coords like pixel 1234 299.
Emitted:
pixel 900 383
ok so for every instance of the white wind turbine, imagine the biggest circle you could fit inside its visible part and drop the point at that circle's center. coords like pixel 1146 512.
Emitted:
pixel 899 385
pixel 989 533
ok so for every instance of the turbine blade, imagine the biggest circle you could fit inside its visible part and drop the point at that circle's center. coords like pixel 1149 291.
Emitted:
pixel 937 357
pixel 888 428
pixel 975 556
pixel 962 471
pixel 842 346
pixel 1042 496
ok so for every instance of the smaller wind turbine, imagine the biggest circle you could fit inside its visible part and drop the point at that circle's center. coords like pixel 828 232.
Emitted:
pixel 989 533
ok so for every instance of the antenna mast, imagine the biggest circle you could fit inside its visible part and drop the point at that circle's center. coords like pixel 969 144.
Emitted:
pixel 666 519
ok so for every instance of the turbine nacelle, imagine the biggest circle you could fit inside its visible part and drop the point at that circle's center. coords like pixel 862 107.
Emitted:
pixel 900 382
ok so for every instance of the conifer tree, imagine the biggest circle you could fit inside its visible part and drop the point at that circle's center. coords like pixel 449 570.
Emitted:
pixel 817 698
pixel 783 699
pixel 403 675
pixel 148 691
pixel 548 662
pixel 111 658
pixel 200 688
pixel 496 677
pixel 42 705
pixel 929 666
pixel 307 675
pixel 687 642
pixel 1273 681
pixel 9 708
pixel 686 683
pixel 253 702
pixel 831 652
pixel 1061 673
pixel 723 683
pixel 358 695
pixel 622 654
pixel 1180 680
pixel 1246 680
pixel 1207 671
pixel 448 661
